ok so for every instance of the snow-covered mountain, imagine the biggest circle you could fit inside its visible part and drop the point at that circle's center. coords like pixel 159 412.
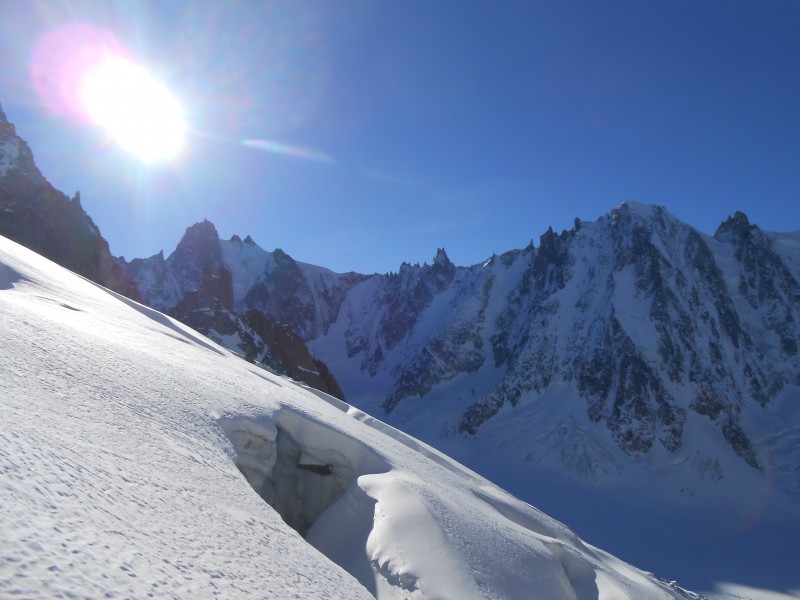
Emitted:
pixel 256 303
pixel 633 351
pixel 305 297
pixel 647 331
pixel 645 328
pixel 141 459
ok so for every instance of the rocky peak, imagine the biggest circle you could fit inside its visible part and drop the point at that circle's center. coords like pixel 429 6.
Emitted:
pixel 280 261
pixel 548 243
pixel 236 238
pixel 199 237
pixel 278 253
pixel 198 247
pixel 442 267
pixel 441 257
pixel 249 240
pixel 35 214
pixel 734 229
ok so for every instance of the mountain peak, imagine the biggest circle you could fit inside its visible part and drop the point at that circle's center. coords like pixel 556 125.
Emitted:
pixel 639 208
pixel 441 258
pixel 640 211
pixel 15 154
pixel 735 227
pixel 204 230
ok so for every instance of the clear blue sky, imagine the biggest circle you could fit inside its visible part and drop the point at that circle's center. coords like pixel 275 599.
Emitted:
pixel 472 125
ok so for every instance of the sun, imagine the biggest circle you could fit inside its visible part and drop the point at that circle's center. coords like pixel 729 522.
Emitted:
pixel 136 110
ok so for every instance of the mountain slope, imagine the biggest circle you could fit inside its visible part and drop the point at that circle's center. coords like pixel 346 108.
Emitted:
pixel 40 217
pixel 222 289
pixel 35 214
pixel 141 458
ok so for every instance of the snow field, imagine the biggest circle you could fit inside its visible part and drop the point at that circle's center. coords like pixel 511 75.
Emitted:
pixel 130 448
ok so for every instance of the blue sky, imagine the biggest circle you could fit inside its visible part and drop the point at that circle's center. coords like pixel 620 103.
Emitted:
pixel 469 125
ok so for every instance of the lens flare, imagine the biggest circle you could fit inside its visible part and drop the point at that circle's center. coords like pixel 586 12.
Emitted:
pixel 59 63
pixel 85 74
pixel 290 150
pixel 138 112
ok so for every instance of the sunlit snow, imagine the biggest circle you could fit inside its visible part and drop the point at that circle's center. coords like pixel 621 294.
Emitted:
pixel 140 458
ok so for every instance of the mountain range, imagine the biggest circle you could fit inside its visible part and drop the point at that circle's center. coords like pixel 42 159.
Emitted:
pixel 647 331
pixel 633 357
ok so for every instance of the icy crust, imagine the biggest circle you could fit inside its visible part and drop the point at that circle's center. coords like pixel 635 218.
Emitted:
pixel 131 447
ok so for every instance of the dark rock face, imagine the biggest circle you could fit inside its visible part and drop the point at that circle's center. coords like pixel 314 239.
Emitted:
pixel 284 294
pixel 195 286
pixel 291 352
pixel 209 310
pixel 33 213
pixel 199 247
pixel 765 280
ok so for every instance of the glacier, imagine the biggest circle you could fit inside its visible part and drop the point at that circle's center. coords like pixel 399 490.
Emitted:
pixel 141 459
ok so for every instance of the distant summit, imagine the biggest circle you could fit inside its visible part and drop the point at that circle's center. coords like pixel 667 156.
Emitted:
pixel 230 290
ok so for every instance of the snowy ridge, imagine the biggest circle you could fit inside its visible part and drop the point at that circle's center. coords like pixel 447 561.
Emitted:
pixel 143 475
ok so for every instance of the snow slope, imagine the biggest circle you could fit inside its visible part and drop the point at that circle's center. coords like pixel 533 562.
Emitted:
pixel 139 458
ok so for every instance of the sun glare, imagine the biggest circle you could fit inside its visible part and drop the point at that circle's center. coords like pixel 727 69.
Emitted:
pixel 136 110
